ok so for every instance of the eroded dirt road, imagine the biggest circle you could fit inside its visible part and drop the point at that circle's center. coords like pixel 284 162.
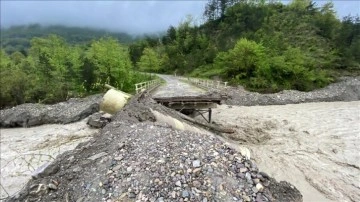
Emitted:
pixel 314 146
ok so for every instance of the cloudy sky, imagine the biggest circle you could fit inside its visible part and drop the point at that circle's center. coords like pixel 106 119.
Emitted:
pixel 129 16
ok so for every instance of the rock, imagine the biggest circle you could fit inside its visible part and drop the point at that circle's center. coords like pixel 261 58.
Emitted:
pixel 27 115
pixel 129 169
pixel 246 198
pixel 98 155
pixel 178 183
pixel 196 184
pixel 196 163
pixel 116 168
pixel 35 173
pixel 264 175
pixel 245 152
pixel 52 186
pixel 243 170
pixel 49 170
pixel 118 158
pixel 103 191
pixel 196 171
pixel 96 121
pixel 259 187
pixel 107 117
pixel 160 199
pixel 77 169
pixel 185 194
pixel 81 199
pixel 255 190
pixel 131 195
pixel 248 176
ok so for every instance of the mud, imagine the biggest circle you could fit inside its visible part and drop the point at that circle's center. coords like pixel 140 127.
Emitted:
pixel 314 146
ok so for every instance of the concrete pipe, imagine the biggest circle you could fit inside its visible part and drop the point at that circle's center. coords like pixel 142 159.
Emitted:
pixel 113 101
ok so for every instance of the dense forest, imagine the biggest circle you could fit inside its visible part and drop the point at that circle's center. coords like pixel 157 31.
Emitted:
pixel 266 46
pixel 17 38
pixel 53 70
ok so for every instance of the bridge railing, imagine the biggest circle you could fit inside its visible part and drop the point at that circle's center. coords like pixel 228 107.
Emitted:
pixel 139 87
pixel 208 83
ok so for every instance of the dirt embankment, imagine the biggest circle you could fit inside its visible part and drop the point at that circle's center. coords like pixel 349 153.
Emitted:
pixel 135 158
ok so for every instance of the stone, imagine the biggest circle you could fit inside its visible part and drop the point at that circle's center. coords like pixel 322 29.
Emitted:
pixel 265 175
pixel 131 195
pixel 196 171
pixel 81 199
pixel 129 169
pixel 248 176
pixel 178 183
pixel 243 170
pixel 116 168
pixel 245 152
pixel 96 121
pixel 103 191
pixel 185 194
pixel 173 194
pixel 259 186
pixel 160 199
pixel 246 198
pixel 255 190
pixel 256 181
pixel 196 184
pixel 196 163
pixel 98 155
pixel 118 158
pixel 52 186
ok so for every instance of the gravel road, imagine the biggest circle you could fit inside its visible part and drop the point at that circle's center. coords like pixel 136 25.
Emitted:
pixel 175 88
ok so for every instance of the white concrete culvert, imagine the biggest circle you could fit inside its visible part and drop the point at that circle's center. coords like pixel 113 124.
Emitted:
pixel 314 146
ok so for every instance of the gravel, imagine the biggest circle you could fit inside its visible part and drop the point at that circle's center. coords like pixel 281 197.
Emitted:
pixel 347 89
pixel 29 114
pixel 136 159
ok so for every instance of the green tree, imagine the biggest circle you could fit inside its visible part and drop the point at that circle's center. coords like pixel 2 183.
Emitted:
pixel 111 62
pixel 150 61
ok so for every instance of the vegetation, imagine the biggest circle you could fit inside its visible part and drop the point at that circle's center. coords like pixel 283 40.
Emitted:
pixel 54 70
pixel 17 38
pixel 264 45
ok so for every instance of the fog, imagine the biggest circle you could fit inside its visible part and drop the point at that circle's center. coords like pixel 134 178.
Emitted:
pixel 134 17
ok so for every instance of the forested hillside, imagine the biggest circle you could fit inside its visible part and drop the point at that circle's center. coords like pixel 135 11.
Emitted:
pixel 17 38
pixel 264 45
pixel 53 70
